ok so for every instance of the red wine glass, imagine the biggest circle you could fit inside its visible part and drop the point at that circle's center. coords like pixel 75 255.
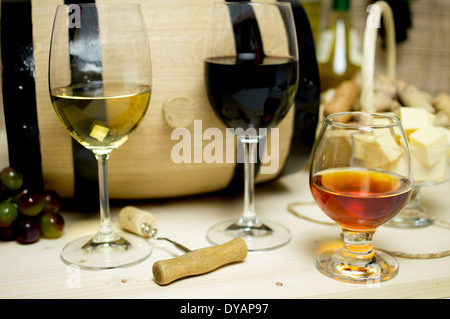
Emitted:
pixel 251 77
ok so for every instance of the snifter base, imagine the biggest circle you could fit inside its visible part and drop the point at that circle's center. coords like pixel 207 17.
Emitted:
pixel 381 267
pixel 85 254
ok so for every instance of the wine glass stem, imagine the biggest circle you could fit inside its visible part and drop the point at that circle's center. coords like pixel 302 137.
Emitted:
pixel 415 198
pixel 105 232
pixel 248 217
pixel 358 244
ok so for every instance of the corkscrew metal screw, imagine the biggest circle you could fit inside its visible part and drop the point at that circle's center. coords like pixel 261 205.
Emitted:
pixel 151 231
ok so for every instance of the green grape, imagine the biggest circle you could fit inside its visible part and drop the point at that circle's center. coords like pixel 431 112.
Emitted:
pixel 52 225
pixel 12 179
pixel 8 213
pixel 26 215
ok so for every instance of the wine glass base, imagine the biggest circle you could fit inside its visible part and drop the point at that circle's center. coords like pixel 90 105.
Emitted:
pixel 409 221
pixel 413 215
pixel 382 267
pixel 127 251
pixel 270 235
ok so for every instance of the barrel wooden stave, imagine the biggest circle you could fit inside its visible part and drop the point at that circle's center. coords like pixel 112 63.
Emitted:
pixel 142 167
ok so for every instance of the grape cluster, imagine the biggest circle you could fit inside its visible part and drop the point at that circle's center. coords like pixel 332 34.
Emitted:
pixel 27 215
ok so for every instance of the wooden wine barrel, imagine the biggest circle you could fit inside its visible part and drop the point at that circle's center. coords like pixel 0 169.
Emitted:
pixel 33 140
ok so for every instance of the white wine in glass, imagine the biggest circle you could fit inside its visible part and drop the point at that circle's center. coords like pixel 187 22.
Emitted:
pixel 100 87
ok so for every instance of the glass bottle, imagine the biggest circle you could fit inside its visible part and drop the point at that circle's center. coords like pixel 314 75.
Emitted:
pixel 339 52
pixel 313 9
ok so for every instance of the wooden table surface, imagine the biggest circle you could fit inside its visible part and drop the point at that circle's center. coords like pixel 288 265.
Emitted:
pixel 36 271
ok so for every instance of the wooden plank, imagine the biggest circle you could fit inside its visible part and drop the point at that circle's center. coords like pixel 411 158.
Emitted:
pixel 35 271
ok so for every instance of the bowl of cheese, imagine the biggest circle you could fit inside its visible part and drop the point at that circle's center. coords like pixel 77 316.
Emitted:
pixel 429 146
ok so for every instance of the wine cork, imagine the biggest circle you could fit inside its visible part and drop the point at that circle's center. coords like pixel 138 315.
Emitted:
pixel 413 97
pixel 343 99
pixel 179 112
pixel 442 103
pixel 132 218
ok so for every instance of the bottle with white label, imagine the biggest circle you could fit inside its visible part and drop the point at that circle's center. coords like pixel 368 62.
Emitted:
pixel 339 52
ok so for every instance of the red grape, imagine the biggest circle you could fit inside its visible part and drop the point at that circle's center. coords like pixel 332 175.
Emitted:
pixel 52 201
pixel 7 233
pixel 30 204
pixel 23 191
pixel 3 189
pixel 27 214
pixel 27 230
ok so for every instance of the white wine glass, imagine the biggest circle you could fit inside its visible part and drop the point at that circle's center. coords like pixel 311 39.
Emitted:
pixel 251 78
pixel 100 87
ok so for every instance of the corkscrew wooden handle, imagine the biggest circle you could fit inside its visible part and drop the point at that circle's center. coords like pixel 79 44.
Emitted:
pixel 199 261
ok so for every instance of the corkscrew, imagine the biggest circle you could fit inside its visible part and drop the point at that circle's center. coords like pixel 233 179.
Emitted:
pixel 193 262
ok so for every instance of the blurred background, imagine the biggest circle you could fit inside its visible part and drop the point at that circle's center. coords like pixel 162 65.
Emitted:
pixel 422 29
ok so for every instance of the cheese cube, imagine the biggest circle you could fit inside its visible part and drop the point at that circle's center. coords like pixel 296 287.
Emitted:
pixel 428 136
pixel 359 140
pixel 337 142
pixel 446 131
pixel 99 132
pixel 436 172
pixel 431 117
pixel 381 150
pixel 413 118
pixel 428 144
pixel 399 166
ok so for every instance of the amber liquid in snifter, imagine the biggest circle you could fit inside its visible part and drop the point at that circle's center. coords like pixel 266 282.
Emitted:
pixel 360 199
pixel 358 195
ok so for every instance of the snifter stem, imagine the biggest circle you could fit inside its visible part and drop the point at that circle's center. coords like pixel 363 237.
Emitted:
pixel 358 245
